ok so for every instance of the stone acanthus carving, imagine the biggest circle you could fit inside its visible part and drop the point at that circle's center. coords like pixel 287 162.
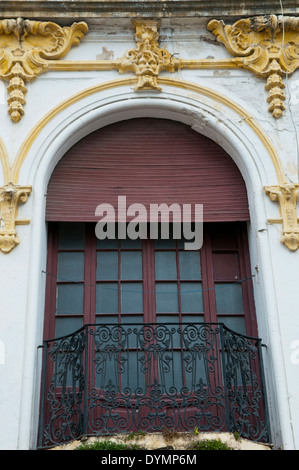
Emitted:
pixel 287 197
pixel 148 59
pixel 268 46
pixel 11 196
pixel 25 48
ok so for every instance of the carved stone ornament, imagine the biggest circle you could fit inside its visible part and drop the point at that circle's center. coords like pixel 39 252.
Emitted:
pixel 266 45
pixel 287 197
pixel 25 48
pixel 11 196
pixel 148 59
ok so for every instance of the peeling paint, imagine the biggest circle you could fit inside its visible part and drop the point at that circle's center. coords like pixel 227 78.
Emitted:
pixel 224 73
pixel 105 54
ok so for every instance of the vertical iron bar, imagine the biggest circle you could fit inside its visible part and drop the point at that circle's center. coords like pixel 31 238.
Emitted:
pixel 87 369
pixel 43 393
pixel 227 408
pixel 263 388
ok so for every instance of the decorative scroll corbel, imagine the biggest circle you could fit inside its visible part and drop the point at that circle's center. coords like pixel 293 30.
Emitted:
pixel 148 59
pixel 11 196
pixel 267 46
pixel 25 48
pixel 287 197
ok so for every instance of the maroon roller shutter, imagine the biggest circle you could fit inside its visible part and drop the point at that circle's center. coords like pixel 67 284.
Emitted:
pixel 150 161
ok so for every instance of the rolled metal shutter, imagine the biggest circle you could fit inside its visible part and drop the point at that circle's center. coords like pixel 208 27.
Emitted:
pixel 150 161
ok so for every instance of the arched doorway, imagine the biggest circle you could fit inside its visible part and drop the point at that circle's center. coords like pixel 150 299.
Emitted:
pixel 136 283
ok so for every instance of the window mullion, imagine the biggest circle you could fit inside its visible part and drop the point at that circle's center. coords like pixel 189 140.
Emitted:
pixel 51 283
pixel 208 285
pixel 178 283
pixel 149 282
pixel 119 283
pixel 247 287
pixel 89 275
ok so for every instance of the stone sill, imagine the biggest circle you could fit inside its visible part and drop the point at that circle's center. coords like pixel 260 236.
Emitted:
pixel 179 441
pixel 96 9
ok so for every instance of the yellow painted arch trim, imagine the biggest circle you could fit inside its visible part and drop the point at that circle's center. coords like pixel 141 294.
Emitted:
pixel 4 162
pixel 202 90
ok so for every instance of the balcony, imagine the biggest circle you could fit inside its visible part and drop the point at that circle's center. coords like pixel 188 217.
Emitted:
pixel 106 379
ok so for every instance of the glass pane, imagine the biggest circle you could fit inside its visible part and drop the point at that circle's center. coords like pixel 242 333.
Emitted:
pixel 107 244
pixel 229 298
pixel 131 265
pixel 107 265
pixel 168 318
pixel 195 319
pixel 106 319
pixel 71 266
pixel 165 265
pixel 66 326
pixel 107 298
pixel 226 266
pixel 131 244
pixel 181 243
pixel 189 265
pixel 71 236
pixel 165 244
pixel 132 297
pixel 236 324
pixel 167 297
pixel 70 299
pixel 134 319
pixel 191 297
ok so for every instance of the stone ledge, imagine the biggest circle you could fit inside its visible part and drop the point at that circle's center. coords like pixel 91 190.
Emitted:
pixel 68 9
pixel 178 441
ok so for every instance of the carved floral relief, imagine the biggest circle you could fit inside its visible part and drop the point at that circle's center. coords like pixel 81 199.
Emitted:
pixel 25 48
pixel 148 59
pixel 287 197
pixel 267 46
pixel 11 196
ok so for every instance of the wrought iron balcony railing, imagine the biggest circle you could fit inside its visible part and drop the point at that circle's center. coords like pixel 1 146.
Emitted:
pixel 110 379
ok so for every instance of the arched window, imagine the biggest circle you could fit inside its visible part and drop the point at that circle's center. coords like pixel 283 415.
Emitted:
pixel 150 161
pixel 153 352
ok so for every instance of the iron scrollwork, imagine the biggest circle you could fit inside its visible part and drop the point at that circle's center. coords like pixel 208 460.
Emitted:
pixel 244 386
pixel 108 379
pixel 65 392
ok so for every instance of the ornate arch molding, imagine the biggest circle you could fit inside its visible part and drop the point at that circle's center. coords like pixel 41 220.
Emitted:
pixel 268 46
pixel 146 61
pixel 241 115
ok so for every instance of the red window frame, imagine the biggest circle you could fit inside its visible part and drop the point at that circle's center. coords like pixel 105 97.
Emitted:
pixel 221 241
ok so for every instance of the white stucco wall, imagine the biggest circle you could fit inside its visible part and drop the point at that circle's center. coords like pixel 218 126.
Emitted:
pixel 22 284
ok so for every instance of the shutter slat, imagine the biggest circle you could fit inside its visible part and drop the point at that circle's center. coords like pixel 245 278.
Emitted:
pixel 150 161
